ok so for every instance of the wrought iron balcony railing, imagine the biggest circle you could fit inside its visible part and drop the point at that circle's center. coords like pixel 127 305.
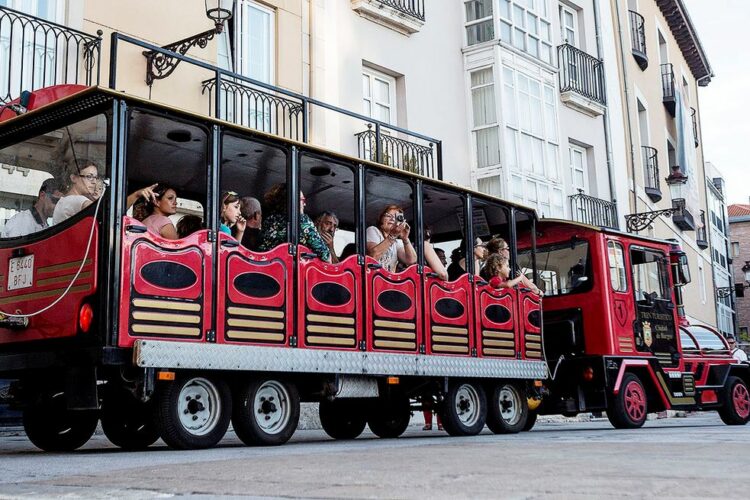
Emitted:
pixel 581 73
pixel 681 216
pixel 667 86
pixel 252 107
pixel 398 153
pixel 701 238
pixel 413 8
pixel 593 211
pixel 36 53
pixel 651 173
pixel 695 126
pixel 638 39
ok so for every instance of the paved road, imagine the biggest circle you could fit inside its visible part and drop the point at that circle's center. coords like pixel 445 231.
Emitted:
pixel 694 457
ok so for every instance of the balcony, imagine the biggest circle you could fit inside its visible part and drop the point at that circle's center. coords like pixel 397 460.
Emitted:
pixel 404 16
pixel 651 173
pixel 681 216
pixel 695 126
pixel 39 53
pixel 250 106
pixel 638 39
pixel 374 145
pixel 581 80
pixel 593 211
pixel 667 85
pixel 700 237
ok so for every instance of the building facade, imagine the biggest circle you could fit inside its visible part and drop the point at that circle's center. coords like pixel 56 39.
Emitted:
pixel 661 65
pixel 739 231
pixel 716 221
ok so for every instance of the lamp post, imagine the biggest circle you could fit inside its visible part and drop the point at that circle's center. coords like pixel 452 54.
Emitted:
pixel 739 288
pixel 160 66
pixel 676 181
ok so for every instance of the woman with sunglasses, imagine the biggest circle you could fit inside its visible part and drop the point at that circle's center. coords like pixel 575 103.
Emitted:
pixel 230 216
pixel 458 261
pixel 388 241
pixel 155 213
pixel 274 231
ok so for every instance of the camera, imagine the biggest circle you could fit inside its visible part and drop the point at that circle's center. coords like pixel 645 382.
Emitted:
pixel 400 218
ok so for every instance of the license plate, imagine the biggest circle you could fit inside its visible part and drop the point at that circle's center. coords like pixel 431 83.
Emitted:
pixel 20 272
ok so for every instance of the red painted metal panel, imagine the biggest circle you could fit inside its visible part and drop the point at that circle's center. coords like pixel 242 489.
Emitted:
pixel 496 328
pixel 42 97
pixel 255 294
pixel 393 305
pixel 57 259
pixel 448 316
pixel 330 302
pixel 166 286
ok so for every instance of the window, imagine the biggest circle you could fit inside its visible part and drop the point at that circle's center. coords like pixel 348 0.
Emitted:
pixel 569 25
pixel 525 25
pixel 479 21
pixel 686 341
pixel 530 112
pixel 485 129
pixel 649 275
pixel 735 249
pixel 702 281
pixel 578 168
pixel 706 339
pixel 616 257
pixel 563 268
pixel 378 95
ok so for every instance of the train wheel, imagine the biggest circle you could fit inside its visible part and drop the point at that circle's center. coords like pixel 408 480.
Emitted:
pixel 530 421
pixel 266 412
pixel 508 410
pixel 464 411
pixel 629 408
pixel 736 407
pixel 193 412
pixel 128 422
pixel 342 418
pixel 390 417
pixel 52 427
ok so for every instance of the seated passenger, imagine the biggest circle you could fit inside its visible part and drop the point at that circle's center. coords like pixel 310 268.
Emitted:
pixel 85 188
pixel 274 231
pixel 431 257
pixel 388 242
pixel 441 256
pixel 458 261
pixel 327 223
pixel 35 219
pixel 251 211
pixel 349 250
pixel 230 216
pixel 155 213
pixel 497 272
pixel 498 245
pixel 188 224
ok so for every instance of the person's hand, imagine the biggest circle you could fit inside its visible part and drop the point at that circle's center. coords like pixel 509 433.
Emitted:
pixel 327 238
pixel 405 230
pixel 240 224
pixel 148 193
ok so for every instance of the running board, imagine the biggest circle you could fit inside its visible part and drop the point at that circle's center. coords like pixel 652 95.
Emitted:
pixel 188 355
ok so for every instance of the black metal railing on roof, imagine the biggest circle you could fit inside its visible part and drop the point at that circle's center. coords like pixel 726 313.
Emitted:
pixel 594 211
pixel 257 109
pixel 395 152
pixel 638 39
pixel 413 8
pixel 283 100
pixel 581 73
pixel 36 53
pixel 651 172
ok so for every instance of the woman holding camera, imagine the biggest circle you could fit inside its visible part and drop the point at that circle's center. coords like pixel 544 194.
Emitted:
pixel 388 242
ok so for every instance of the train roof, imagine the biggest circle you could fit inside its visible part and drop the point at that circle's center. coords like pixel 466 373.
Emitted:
pixel 602 229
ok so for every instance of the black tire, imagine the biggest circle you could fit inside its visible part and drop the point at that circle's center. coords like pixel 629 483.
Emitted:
pixel 342 418
pixel 52 427
pixel 464 410
pixel 193 411
pixel 508 409
pixel 128 422
pixel 735 408
pixel 628 409
pixel 530 421
pixel 390 416
pixel 265 412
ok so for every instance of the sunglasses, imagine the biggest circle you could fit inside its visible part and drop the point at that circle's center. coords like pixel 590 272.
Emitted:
pixel 227 195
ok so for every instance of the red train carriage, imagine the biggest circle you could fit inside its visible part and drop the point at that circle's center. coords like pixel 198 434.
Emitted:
pixel 105 320
pixel 616 337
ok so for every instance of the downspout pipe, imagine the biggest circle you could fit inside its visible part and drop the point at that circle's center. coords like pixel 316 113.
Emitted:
pixel 605 118
pixel 627 105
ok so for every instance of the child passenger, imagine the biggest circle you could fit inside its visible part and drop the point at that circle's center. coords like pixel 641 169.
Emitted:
pixel 497 272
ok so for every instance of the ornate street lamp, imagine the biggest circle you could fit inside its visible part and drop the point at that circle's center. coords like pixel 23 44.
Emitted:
pixel 676 181
pixel 739 288
pixel 160 66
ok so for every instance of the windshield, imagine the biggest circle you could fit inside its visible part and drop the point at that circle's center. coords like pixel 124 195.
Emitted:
pixel 562 268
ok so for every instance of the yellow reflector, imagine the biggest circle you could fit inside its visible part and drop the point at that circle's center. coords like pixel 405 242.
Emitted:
pixel 165 376
pixel 393 380
pixel 533 403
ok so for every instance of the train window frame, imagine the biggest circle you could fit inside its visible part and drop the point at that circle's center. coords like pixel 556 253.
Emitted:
pixel 616 261
pixel 550 290
pixel 663 274
pixel 455 243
